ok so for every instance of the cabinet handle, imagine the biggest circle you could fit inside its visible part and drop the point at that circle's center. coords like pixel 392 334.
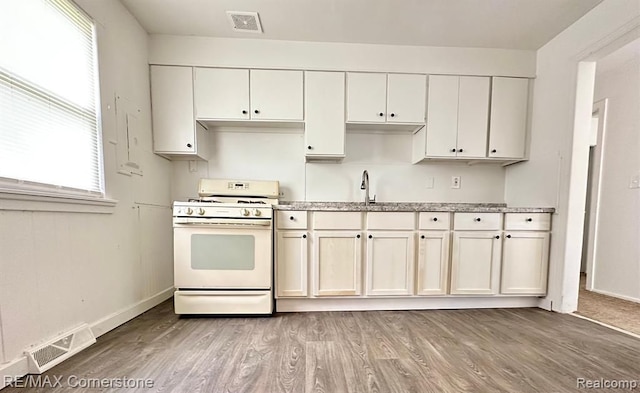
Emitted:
pixel 380 114
pixel 422 237
pixel 393 115
pixel 358 236
pixel 292 218
pixel 494 151
pixel 256 111
pixel 478 219
pixel 189 145
pixel 460 150
pixel 435 218
pixel 309 147
pixel 304 236
pixel 244 112
pixel 529 219
pixel 497 236
pixel 508 236
pixel 453 150
pixel 370 236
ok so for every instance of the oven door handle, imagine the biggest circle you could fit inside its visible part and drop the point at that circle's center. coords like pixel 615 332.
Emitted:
pixel 219 222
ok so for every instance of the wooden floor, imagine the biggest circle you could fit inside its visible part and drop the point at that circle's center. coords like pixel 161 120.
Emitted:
pixel 516 350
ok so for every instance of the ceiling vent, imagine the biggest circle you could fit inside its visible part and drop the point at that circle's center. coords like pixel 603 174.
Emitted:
pixel 245 21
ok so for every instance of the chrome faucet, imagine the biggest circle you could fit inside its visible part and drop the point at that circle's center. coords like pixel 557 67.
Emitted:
pixel 365 186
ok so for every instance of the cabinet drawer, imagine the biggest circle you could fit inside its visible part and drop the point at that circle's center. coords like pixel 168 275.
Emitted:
pixel 477 221
pixel 527 221
pixel 291 220
pixel 337 220
pixel 387 221
pixel 435 220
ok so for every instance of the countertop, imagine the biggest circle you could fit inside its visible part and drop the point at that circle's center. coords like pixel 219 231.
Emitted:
pixel 411 207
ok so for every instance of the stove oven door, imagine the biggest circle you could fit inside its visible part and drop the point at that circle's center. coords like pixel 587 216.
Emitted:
pixel 223 256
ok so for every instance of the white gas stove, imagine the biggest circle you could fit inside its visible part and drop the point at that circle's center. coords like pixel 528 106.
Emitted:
pixel 223 246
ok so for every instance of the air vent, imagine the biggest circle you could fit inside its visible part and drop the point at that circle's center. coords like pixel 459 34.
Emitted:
pixel 45 356
pixel 245 21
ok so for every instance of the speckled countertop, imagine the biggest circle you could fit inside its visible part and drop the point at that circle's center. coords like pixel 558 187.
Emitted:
pixel 411 207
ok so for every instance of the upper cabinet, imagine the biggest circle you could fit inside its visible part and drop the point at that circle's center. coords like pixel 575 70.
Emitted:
pixel 385 98
pixel 324 115
pixel 175 130
pixel 509 104
pixel 236 94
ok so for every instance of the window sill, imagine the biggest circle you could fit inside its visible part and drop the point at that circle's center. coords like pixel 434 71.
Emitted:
pixel 47 201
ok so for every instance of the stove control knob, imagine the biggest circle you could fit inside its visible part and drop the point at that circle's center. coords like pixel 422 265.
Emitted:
pixel 257 212
pixel 201 211
pixel 244 212
pixel 189 211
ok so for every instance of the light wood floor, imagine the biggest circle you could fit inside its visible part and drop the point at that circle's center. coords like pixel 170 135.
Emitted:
pixel 516 350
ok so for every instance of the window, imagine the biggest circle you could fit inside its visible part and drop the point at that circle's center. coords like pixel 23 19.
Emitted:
pixel 49 133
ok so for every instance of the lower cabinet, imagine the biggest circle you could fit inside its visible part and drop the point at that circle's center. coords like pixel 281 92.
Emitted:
pixel 475 263
pixel 433 263
pixel 525 256
pixel 390 263
pixel 337 260
pixel 291 264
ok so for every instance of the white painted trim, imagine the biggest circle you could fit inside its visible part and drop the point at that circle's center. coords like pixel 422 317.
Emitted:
pixel 116 319
pixel 616 295
pixel 15 369
pixel 31 200
pixel 413 303
pixel 606 325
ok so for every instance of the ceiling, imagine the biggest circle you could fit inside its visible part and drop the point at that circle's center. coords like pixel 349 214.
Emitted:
pixel 511 24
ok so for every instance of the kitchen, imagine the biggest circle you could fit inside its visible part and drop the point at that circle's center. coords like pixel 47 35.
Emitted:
pixel 136 269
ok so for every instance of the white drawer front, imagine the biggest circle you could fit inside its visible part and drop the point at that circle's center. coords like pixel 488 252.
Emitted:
pixel 435 220
pixel 527 221
pixel 337 220
pixel 291 220
pixel 389 221
pixel 477 221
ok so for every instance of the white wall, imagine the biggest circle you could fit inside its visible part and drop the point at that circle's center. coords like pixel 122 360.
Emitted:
pixel 617 258
pixel 279 155
pixel 554 175
pixel 59 269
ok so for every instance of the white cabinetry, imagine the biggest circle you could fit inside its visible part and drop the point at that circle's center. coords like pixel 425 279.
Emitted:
pixel 385 98
pixel 237 94
pixel 337 260
pixel 175 130
pixel 433 253
pixel 509 105
pixel 291 264
pixel 324 115
pixel 390 263
pixel 525 254
pixel 457 118
pixel 475 260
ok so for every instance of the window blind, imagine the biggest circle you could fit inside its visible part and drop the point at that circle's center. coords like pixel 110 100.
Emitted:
pixel 49 132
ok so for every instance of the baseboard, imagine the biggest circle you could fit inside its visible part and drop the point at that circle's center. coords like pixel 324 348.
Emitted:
pixel 607 325
pixel 116 319
pixel 416 303
pixel 623 297
pixel 19 367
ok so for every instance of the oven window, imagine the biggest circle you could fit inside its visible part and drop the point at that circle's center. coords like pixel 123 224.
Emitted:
pixel 223 252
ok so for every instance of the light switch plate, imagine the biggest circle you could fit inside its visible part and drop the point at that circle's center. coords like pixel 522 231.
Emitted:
pixel 634 182
pixel 429 182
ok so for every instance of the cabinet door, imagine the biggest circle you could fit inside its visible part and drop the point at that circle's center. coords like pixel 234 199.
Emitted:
pixel 276 95
pixel 366 97
pixel 337 263
pixel 406 98
pixel 475 263
pixel 221 93
pixel 174 125
pixel 324 114
pixel 433 262
pixel 442 116
pixel 525 258
pixel 508 127
pixel 473 116
pixel 291 264
pixel 390 263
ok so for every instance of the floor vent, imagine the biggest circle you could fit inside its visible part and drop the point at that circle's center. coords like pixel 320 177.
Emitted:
pixel 245 21
pixel 51 353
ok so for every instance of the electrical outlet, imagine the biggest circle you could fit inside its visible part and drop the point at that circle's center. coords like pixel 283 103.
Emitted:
pixel 634 182
pixel 455 181
pixel 193 166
